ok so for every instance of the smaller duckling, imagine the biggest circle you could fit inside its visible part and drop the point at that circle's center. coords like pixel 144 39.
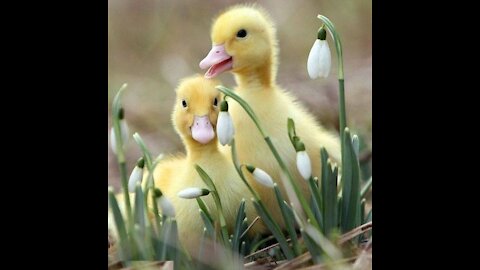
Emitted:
pixel 194 117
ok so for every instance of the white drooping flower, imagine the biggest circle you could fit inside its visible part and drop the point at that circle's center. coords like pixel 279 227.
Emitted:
pixel 136 175
pixel 193 192
pixel 166 206
pixel 319 59
pixel 260 176
pixel 225 129
pixel 124 131
pixel 304 165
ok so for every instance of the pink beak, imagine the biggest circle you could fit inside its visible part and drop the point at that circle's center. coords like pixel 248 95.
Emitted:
pixel 202 130
pixel 217 61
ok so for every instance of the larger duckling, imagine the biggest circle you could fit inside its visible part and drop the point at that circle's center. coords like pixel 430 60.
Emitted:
pixel 244 42
pixel 194 118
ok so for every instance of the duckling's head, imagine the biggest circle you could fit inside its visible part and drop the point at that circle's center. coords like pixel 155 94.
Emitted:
pixel 196 110
pixel 244 42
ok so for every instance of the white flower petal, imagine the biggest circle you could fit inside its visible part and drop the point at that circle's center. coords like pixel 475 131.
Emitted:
pixel 313 65
pixel 124 131
pixel 113 141
pixel 135 177
pixel 192 193
pixel 166 206
pixel 262 177
pixel 303 164
pixel 225 129
pixel 324 60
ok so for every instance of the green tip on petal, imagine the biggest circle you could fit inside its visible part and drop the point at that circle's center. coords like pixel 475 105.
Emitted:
pixel 141 163
pixel 224 106
pixel 322 33
pixel 157 193
pixel 250 168
pixel 299 146
pixel 205 191
pixel 121 113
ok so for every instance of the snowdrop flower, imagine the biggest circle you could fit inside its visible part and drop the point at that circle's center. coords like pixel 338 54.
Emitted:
pixel 136 175
pixel 225 129
pixel 304 165
pixel 164 204
pixel 193 192
pixel 261 176
pixel 319 59
pixel 124 131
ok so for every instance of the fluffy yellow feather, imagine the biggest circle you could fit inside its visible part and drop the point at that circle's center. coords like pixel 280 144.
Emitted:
pixel 244 42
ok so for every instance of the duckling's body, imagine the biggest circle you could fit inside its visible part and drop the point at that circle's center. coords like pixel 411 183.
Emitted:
pixel 175 174
pixel 244 42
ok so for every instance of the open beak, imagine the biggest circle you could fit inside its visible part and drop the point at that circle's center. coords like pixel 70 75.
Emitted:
pixel 202 129
pixel 217 61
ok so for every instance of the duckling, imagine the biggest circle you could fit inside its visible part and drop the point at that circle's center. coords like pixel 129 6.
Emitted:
pixel 244 42
pixel 194 118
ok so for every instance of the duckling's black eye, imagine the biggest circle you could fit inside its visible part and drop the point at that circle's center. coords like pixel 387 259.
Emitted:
pixel 215 102
pixel 184 103
pixel 242 33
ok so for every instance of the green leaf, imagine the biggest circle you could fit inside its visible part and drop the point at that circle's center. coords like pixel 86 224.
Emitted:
pixel 288 219
pixel 351 185
pixel 329 194
pixel 256 243
pixel 120 224
pixel 204 208
pixel 238 229
pixel 139 209
pixel 208 224
pixel 316 201
pixel 312 247
pixel 275 231
pixel 223 224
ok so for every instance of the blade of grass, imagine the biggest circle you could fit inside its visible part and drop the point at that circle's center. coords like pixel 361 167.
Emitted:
pixel 275 231
pixel 139 209
pixel 313 248
pixel 204 208
pixel 288 218
pixel 208 224
pixel 120 224
pixel 351 185
pixel 238 226
pixel 223 224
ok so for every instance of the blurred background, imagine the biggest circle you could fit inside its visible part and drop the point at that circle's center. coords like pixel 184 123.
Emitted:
pixel 152 44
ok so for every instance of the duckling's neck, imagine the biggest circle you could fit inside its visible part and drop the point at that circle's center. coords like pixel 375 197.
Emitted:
pixel 262 77
pixel 197 151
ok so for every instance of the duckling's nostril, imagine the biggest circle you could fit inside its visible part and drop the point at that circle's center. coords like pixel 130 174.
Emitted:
pixel 217 52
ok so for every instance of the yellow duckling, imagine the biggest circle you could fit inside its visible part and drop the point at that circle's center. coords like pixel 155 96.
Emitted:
pixel 244 42
pixel 194 118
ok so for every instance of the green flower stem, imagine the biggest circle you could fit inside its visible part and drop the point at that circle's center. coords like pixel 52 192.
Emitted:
pixel 258 203
pixel 341 101
pixel 338 48
pixel 150 183
pixel 120 153
pixel 284 168
pixel 216 198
